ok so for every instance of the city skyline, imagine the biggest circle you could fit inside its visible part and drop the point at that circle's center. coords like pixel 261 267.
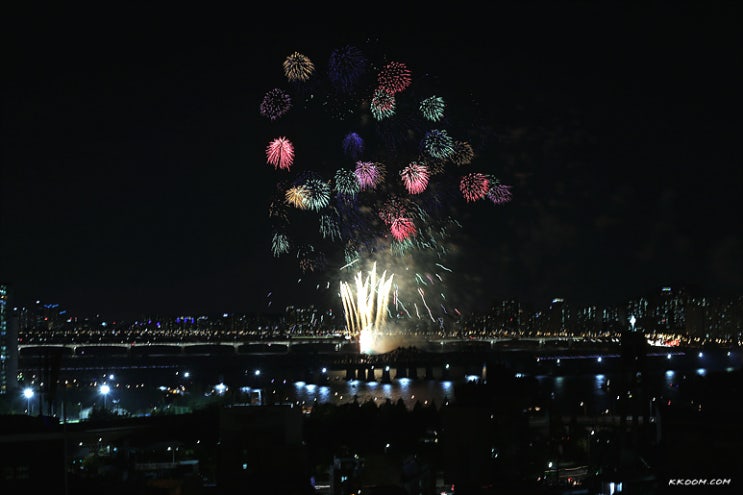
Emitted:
pixel 134 178
pixel 663 301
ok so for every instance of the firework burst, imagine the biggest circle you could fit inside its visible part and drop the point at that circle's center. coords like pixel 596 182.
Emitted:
pixel 279 244
pixel 353 146
pixel 474 186
pixel 499 193
pixel 280 153
pixel 296 196
pixel 346 182
pixel 415 177
pixel 317 194
pixel 298 67
pixel 383 104
pixel 432 108
pixel 438 144
pixel 276 102
pixel 346 67
pixel 402 228
pixel 463 153
pixel 394 77
pixel 393 208
pixel 369 174
pixel 329 228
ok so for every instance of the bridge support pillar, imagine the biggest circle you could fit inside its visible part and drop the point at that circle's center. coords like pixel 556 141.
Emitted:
pixel 445 372
pixel 323 377
pixel 370 375
pixel 309 377
pixel 429 372
pixel 350 374
pixel 402 372
pixel 386 375
pixel 413 372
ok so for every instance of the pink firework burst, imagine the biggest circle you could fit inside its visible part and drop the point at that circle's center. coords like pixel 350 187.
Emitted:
pixel 280 153
pixel 402 228
pixel 394 77
pixel 474 186
pixel 415 177
pixel 368 175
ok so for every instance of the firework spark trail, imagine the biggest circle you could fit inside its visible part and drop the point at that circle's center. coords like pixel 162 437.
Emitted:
pixel 349 308
pixel 348 265
pixel 398 303
pixel 443 267
pixel 405 309
pixel 382 290
pixel 423 298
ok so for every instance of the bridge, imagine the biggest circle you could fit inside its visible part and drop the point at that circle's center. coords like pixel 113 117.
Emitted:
pixel 323 344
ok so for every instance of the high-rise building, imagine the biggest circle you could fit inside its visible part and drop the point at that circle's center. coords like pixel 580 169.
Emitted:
pixel 8 345
pixel 506 316
pixel 559 317
pixel 587 320
pixel 669 310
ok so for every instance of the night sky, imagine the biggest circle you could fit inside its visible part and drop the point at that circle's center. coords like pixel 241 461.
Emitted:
pixel 134 178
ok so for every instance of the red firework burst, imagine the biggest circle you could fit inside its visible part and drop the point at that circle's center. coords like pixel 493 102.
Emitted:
pixel 402 228
pixel 394 77
pixel 474 186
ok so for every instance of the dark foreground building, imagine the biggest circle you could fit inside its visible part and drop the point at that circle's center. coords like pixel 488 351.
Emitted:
pixel 234 449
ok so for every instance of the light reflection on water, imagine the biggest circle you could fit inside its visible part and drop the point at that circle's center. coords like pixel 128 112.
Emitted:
pixel 140 388
pixel 590 393
pixel 341 391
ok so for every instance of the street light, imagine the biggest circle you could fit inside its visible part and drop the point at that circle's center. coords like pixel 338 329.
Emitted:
pixel 104 390
pixel 28 393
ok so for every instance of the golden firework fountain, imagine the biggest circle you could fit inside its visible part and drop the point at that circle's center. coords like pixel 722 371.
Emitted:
pixel 365 305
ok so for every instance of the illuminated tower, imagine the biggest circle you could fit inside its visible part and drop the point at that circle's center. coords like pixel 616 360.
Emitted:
pixel 8 345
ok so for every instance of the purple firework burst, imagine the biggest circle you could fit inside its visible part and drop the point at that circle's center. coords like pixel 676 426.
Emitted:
pixel 276 102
